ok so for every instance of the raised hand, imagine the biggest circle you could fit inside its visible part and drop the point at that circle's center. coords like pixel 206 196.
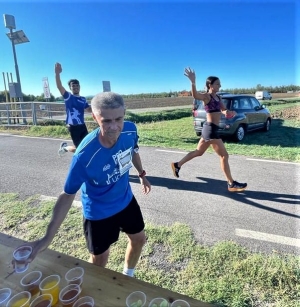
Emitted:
pixel 58 68
pixel 190 73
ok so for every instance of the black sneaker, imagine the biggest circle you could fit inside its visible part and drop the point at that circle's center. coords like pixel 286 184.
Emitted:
pixel 236 186
pixel 175 169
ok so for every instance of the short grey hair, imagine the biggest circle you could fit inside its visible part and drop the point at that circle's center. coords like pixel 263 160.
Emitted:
pixel 106 100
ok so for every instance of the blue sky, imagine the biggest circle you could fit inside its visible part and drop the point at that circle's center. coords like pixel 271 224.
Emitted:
pixel 144 46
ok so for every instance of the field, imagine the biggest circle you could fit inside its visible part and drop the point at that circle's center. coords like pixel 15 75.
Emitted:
pixel 181 101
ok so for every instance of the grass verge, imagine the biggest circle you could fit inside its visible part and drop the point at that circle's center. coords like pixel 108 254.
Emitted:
pixel 225 274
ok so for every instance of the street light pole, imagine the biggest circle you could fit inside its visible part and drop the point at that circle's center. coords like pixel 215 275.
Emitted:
pixel 17 37
pixel 16 62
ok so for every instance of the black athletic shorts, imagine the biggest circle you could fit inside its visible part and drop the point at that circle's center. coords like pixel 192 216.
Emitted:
pixel 78 133
pixel 101 234
pixel 210 131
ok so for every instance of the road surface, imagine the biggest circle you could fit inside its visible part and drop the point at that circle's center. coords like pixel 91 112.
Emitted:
pixel 264 218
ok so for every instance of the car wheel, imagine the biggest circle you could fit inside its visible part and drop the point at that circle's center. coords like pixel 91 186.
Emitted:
pixel 267 125
pixel 239 133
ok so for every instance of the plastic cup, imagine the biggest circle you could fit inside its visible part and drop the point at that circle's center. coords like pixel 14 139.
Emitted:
pixel 180 303
pixel 44 300
pixel 159 302
pixel 85 301
pixel 30 282
pixel 69 294
pixel 136 299
pixel 5 294
pixel 21 299
pixel 21 254
pixel 75 276
pixel 50 285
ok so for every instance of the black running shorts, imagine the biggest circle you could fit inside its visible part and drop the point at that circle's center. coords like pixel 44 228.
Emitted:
pixel 78 133
pixel 210 131
pixel 101 234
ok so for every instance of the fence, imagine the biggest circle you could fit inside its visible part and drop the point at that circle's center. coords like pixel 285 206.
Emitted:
pixel 31 113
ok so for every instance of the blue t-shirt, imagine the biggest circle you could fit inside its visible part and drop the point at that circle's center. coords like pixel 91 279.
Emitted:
pixel 103 173
pixel 75 106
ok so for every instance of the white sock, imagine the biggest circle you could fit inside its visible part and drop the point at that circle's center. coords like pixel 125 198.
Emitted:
pixel 128 272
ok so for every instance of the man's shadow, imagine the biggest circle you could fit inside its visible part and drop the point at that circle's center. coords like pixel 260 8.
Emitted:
pixel 218 187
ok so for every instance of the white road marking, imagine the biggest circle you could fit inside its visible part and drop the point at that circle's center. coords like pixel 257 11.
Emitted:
pixel 250 159
pixel 273 161
pixel 267 237
pixel 76 203
pixel 34 137
pixel 172 151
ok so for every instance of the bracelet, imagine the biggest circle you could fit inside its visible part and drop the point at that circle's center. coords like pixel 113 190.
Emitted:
pixel 142 174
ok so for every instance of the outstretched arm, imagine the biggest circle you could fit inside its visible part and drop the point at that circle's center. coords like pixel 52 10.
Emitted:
pixel 58 70
pixel 190 73
pixel 60 210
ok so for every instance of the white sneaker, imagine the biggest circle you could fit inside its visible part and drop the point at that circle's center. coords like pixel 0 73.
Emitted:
pixel 62 149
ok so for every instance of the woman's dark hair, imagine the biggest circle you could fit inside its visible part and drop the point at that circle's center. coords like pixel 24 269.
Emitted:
pixel 74 81
pixel 210 80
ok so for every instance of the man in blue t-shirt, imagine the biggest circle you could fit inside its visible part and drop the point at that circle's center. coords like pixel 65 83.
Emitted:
pixel 100 169
pixel 75 106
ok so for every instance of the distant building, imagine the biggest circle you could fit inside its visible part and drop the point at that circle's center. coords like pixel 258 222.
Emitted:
pixel 184 94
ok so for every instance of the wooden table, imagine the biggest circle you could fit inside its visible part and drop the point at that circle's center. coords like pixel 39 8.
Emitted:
pixel 107 287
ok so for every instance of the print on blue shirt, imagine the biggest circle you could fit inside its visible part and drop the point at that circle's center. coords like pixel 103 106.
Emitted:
pixel 75 106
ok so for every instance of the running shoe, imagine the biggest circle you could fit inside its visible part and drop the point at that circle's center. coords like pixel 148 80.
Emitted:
pixel 62 149
pixel 236 186
pixel 175 169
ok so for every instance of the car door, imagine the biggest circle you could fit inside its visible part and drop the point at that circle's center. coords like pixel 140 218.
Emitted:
pixel 259 117
pixel 245 106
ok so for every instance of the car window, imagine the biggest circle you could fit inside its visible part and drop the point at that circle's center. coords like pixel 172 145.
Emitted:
pixel 235 104
pixel 245 103
pixel 255 102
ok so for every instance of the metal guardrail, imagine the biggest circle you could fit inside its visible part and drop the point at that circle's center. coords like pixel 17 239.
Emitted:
pixel 31 113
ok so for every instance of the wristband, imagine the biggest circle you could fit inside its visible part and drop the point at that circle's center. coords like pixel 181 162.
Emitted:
pixel 142 174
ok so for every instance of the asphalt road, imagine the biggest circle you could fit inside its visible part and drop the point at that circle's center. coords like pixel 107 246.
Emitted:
pixel 266 217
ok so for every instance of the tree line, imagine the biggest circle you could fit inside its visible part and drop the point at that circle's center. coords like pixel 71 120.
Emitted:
pixel 259 87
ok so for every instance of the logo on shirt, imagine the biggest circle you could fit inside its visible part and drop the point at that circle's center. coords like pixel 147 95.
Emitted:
pixel 106 167
pixel 74 115
pixel 113 177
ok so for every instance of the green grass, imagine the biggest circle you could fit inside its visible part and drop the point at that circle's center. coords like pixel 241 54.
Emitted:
pixel 280 143
pixel 225 274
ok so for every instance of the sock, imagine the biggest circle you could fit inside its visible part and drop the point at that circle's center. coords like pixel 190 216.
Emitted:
pixel 128 272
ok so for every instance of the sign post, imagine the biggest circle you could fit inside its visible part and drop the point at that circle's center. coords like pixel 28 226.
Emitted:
pixel 47 94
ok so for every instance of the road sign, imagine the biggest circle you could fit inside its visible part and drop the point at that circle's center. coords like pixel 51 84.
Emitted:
pixel 14 90
pixel 46 88
pixel 106 86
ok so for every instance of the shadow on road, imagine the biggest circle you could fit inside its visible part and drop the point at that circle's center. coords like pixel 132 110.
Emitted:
pixel 218 187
